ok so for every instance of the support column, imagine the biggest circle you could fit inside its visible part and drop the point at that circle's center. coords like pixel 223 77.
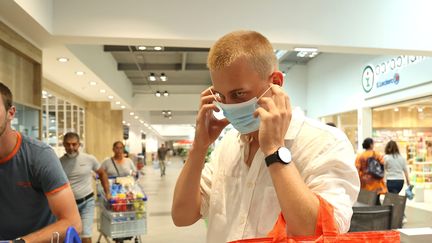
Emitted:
pixel 364 121
pixel 102 127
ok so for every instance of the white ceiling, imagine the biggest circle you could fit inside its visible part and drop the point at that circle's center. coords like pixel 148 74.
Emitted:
pixel 79 29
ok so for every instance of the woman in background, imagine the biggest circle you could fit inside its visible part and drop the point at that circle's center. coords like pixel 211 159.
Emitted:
pixel 367 180
pixel 118 165
pixel 395 168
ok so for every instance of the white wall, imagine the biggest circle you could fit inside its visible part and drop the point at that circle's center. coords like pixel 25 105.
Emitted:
pixel 334 83
pixel 295 85
pixel 41 11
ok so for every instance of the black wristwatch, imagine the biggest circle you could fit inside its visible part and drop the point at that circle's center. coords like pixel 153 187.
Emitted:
pixel 19 240
pixel 282 155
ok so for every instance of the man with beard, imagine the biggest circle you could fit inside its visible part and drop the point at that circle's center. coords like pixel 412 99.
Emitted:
pixel 36 199
pixel 78 167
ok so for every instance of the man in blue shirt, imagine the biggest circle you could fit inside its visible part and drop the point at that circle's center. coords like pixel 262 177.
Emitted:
pixel 36 199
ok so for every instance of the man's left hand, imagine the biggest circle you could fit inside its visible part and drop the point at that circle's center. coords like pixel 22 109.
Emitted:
pixel 275 115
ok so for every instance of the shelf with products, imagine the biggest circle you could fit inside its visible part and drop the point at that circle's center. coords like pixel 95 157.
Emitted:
pixel 415 144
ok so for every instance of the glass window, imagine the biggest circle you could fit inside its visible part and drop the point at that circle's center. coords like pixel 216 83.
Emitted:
pixel 347 122
pixel 26 121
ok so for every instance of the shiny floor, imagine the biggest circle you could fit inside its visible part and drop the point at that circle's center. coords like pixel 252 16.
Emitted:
pixel 160 228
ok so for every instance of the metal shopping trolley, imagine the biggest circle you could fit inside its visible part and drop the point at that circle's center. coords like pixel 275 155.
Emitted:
pixel 124 217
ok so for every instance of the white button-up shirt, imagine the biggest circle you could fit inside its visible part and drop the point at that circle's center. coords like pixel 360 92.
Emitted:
pixel 240 202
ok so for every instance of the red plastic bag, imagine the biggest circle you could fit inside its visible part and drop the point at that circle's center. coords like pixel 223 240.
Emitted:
pixel 325 232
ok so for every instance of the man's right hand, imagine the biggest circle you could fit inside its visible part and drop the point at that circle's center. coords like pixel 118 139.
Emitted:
pixel 208 127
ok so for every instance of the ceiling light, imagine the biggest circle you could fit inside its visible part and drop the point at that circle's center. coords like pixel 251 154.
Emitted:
pixel 396 109
pixel 92 83
pixel 142 48
pixel 128 124
pixel 152 77
pixel 63 59
pixel 141 121
pixel 102 91
pixel 169 112
pixel 122 106
pixel 420 109
pixel 158 94
pixel 163 77
pixel 305 49
pixel 157 48
pixel 136 117
pixel 117 103
pixel 166 93
pixel 170 117
pixel 123 122
pixel 163 112
pixel 110 97
pixel 79 73
pixel 131 113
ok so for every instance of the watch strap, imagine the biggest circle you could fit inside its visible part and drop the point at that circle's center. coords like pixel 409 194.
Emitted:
pixel 272 158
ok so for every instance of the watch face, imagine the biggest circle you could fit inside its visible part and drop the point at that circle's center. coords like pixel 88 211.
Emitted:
pixel 284 154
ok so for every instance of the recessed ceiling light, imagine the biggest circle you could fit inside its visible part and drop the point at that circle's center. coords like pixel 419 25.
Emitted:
pixel 131 113
pixel 92 83
pixel 128 124
pixel 123 122
pixel 396 109
pixel 110 97
pixel 165 93
pixel 158 94
pixel 142 48
pixel 63 59
pixel 117 103
pixel 136 117
pixel 420 109
pixel 157 48
pixel 122 106
pixel 102 91
pixel 79 73
pixel 141 121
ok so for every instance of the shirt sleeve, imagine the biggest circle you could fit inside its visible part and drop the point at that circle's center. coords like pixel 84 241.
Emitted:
pixel 95 164
pixel 334 177
pixel 49 173
pixel 132 165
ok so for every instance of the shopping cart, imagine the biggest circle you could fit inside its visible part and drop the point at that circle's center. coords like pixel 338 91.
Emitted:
pixel 125 216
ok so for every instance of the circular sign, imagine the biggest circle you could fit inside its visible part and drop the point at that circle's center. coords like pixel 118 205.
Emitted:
pixel 368 79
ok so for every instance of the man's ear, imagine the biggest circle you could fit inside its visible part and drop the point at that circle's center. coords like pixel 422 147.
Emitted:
pixel 277 78
pixel 11 113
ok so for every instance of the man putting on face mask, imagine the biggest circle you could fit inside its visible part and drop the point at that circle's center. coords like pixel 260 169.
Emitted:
pixel 275 161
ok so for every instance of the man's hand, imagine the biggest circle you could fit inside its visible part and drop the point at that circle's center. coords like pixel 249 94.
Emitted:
pixel 275 115
pixel 208 127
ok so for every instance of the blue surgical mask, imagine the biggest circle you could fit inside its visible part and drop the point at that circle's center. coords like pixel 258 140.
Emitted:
pixel 241 116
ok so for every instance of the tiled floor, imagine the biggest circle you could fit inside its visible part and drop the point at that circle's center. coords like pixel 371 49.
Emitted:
pixel 161 228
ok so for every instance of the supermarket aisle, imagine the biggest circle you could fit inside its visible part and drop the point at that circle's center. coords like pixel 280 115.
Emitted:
pixel 160 228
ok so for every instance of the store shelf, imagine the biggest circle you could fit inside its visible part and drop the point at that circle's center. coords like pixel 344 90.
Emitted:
pixel 423 163
pixel 423 173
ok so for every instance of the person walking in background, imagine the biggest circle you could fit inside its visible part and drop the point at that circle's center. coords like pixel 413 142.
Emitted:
pixel 118 165
pixel 162 153
pixel 36 199
pixel 78 167
pixel 367 180
pixel 395 168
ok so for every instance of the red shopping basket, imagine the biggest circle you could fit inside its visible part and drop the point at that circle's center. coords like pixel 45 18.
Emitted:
pixel 325 232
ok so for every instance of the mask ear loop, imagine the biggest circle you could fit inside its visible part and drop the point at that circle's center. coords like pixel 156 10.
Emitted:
pixel 264 91
pixel 214 96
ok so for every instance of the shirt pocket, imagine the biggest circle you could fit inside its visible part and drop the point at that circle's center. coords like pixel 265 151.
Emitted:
pixel 269 211
pixel 225 197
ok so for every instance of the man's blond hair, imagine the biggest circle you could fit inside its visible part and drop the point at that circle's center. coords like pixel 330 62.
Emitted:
pixel 248 44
